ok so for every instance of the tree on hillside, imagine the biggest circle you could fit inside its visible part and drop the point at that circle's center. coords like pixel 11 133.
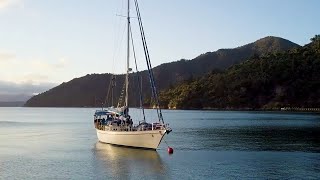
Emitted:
pixel 315 38
pixel 316 41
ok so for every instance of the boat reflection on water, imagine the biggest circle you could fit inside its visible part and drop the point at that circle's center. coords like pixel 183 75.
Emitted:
pixel 123 162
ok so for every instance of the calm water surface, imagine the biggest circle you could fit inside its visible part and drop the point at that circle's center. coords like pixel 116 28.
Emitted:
pixel 60 143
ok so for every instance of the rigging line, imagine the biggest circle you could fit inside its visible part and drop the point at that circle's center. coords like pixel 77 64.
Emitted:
pixel 146 54
pixel 149 63
pixel 154 95
pixel 121 96
pixel 116 44
pixel 113 63
pixel 108 92
pixel 128 61
pixel 138 75
pixel 113 76
pixel 116 47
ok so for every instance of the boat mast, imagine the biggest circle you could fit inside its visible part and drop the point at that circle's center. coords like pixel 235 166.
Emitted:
pixel 128 55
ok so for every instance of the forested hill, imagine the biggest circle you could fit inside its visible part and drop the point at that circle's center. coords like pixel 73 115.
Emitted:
pixel 91 90
pixel 271 81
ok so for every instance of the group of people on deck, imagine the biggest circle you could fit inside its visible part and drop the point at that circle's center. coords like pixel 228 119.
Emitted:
pixel 112 119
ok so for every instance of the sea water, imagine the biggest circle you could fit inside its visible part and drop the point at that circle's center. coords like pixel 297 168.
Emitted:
pixel 61 143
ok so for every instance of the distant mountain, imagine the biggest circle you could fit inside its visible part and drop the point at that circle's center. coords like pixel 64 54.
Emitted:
pixel 91 90
pixel 269 81
pixel 12 104
pixel 14 97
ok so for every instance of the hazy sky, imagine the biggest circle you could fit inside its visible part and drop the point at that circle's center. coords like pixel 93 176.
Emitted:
pixel 53 41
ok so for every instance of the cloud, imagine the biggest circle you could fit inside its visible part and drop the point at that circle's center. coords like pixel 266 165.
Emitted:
pixel 30 70
pixel 19 85
pixel 4 3
pixel 62 62
pixel 6 60
pixel 34 78
pixel 7 3
pixel 46 66
pixel 10 91
pixel 5 56
pixel 21 78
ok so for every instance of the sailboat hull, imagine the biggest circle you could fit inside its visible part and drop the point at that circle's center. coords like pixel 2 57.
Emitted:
pixel 140 139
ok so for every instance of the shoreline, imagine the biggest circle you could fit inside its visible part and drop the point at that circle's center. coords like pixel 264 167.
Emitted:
pixel 283 109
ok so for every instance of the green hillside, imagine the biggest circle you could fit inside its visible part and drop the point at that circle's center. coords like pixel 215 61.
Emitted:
pixel 274 80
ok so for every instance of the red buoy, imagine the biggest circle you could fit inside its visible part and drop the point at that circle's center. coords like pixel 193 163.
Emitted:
pixel 170 150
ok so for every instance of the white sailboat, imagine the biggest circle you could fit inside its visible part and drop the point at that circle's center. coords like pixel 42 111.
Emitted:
pixel 115 126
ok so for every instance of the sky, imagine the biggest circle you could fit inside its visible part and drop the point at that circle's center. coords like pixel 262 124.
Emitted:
pixel 46 42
